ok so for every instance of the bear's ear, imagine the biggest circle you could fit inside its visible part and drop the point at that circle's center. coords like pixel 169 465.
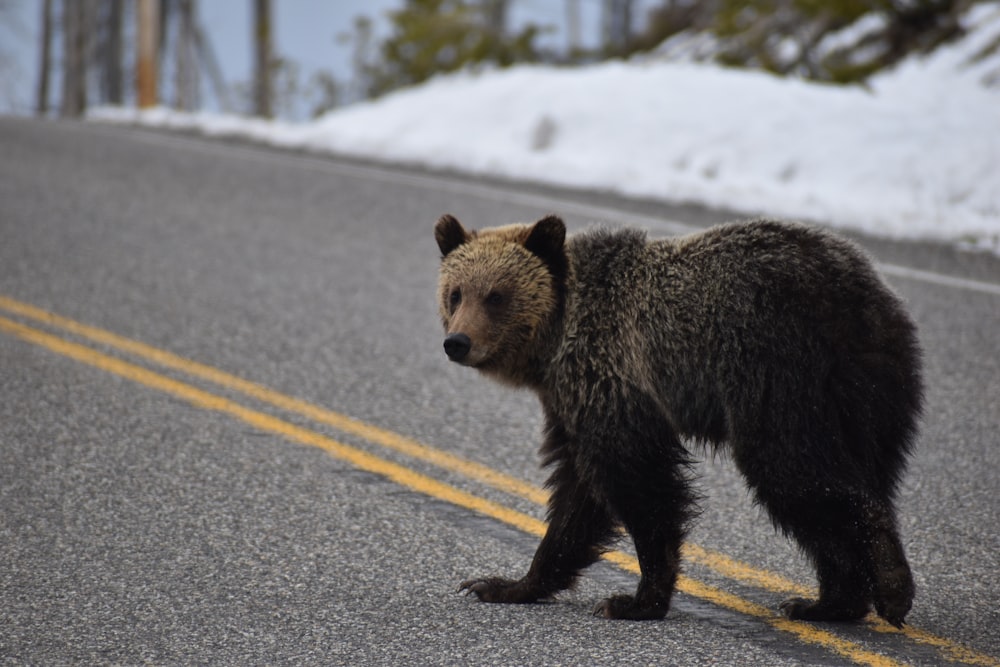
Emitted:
pixel 449 234
pixel 546 237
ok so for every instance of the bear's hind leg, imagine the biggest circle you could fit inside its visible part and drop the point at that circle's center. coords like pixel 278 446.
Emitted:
pixel 894 588
pixel 843 588
pixel 858 556
pixel 829 528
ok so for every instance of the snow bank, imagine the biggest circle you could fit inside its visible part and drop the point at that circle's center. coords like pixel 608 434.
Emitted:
pixel 915 155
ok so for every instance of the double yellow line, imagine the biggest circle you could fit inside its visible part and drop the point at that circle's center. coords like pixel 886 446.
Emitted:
pixel 415 481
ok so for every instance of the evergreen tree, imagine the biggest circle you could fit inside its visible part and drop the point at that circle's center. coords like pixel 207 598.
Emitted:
pixel 790 36
pixel 435 36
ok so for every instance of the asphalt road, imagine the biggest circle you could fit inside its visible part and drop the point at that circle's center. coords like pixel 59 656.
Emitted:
pixel 155 510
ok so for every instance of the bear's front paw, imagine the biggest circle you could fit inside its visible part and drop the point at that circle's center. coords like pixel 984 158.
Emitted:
pixel 625 607
pixel 496 589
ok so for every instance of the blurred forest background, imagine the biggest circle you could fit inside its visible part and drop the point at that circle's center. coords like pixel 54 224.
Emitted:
pixel 157 52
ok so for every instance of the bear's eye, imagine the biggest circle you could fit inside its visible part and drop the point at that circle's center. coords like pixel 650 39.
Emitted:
pixel 455 298
pixel 494 299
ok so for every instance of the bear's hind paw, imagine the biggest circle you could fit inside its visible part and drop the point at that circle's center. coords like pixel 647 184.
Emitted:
pixel 894 614
pixel 802 609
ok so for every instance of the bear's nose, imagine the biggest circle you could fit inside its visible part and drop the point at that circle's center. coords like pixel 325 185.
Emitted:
pixel 456 346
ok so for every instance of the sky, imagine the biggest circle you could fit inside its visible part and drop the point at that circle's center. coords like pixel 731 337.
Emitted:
pixel 305 31
pixel 914 154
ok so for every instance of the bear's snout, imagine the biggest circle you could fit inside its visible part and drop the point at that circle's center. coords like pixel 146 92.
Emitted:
pixel 457 346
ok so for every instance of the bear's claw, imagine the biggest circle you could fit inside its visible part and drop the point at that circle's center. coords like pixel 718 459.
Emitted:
pixel 497 589
pixel 625 607
pixel 803 609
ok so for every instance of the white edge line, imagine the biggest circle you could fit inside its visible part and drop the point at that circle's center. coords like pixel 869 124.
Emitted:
pixel 939 279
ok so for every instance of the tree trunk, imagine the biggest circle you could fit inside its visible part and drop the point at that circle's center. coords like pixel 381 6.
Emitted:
pixel 496 17
pixel 74 88
pixel 146 60
pixel 262 97
pixel 112 53
pixel 617 26
pixel 44 64
pixel 211 65
pixel 186 84
pixel 573 28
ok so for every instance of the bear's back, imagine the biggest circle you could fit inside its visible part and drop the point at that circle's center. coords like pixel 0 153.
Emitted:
pixel 726 276
pixel 707 320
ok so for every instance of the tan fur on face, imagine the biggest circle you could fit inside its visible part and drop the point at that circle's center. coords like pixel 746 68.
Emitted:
pixel 495 261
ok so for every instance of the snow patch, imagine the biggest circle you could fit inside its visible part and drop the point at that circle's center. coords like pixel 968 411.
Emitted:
pixel 916 154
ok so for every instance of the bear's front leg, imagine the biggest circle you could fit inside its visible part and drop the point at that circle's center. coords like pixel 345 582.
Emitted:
pixel 625 607
pixel 643 470
pixel 579 529
pixel 659 562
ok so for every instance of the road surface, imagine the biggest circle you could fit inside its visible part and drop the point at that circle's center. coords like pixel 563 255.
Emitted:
pixel 229 435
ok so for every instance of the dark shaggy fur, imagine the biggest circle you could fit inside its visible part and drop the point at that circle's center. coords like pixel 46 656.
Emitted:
pixel 776 339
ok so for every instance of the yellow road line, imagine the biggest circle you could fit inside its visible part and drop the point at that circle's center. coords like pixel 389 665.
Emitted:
pixel 341 422
pixel 720 563
pixel 203 399
pixel 724 565
pixel 415 481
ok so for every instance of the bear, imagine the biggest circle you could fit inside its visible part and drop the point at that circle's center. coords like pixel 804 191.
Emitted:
pixel 775 340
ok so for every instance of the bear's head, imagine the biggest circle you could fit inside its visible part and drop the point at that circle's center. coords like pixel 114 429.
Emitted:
pixel 499 288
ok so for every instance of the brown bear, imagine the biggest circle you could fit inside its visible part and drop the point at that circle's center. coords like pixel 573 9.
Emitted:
pixel 775 339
